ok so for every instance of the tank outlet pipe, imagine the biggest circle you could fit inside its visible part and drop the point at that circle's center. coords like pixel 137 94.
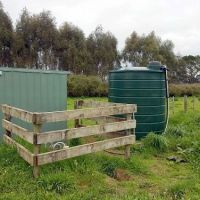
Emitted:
pixel 164 68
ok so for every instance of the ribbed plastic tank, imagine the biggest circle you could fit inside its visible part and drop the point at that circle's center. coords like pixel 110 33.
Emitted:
pixel 146 87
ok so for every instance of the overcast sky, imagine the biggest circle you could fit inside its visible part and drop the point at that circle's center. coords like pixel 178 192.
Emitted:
pixel 177 20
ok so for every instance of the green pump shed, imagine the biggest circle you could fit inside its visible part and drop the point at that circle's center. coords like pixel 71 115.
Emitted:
pixel 35 91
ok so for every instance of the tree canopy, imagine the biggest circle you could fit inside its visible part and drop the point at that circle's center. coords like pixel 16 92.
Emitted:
pixel 6 38
pixel 37 42
pixel 71 49
pixel 140 50
pixel 102 50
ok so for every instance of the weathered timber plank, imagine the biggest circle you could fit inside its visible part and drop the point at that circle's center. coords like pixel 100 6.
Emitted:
pixel 17 130
pixel 18 113
pixel 62 154
pixel 84 113
pixel 54 136
pixel 23 152
pixel 107 119
pixel 89 103
pixel 101 129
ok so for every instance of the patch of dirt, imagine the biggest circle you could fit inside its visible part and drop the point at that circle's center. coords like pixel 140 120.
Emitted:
pixel 122 175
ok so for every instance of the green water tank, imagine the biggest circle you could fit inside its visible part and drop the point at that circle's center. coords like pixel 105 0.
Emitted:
pixel 35 91
pixel 146 87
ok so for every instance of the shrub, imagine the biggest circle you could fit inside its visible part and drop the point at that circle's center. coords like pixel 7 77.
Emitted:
pixel 93 86
pixel 89 86
pixel 155 141
pixel 184 89
pixel 77 86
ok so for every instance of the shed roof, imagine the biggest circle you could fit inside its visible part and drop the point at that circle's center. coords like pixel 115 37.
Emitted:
pixel 26 70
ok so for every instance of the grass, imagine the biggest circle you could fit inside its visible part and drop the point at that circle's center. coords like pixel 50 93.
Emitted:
pixel 147 175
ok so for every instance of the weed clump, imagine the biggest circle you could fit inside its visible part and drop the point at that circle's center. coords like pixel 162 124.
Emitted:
pixel 176 131
pixel 109 164
pixel 156 142
pixel 57 183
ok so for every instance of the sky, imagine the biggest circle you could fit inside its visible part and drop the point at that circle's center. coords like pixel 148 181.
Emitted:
pixel 176 20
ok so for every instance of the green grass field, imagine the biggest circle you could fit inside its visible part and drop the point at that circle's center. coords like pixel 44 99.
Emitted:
pixel 147 175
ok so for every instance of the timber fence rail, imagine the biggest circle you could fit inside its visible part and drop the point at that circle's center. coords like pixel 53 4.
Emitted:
pixel 103 113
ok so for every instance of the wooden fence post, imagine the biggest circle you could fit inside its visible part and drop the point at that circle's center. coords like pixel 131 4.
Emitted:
pixel 76 121
pixel 173 104
pixel 185 103
pixel 128 132
pixel 8 118
pixel 36 150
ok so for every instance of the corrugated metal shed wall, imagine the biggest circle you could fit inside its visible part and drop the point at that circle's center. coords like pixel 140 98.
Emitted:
pixel 34 90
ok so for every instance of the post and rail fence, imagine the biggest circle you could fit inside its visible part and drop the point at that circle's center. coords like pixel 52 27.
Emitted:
pixel 187 105
pixel 102 112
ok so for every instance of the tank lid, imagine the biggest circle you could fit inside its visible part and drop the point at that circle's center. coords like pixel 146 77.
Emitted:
pixel 153 66
pixel 156 65
pixel 132 68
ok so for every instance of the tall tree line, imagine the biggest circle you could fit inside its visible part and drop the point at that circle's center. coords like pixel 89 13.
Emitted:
pixel 36 42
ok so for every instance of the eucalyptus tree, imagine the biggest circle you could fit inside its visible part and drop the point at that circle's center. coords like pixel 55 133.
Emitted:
pixel 6 38
pixel 35 40
pixel 71 49
pixel 24 54
pixel 140 50
pixel 102 52
pixel 192 67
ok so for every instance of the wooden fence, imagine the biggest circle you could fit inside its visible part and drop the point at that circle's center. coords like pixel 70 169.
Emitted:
pixel 188 103
pixel 103 113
